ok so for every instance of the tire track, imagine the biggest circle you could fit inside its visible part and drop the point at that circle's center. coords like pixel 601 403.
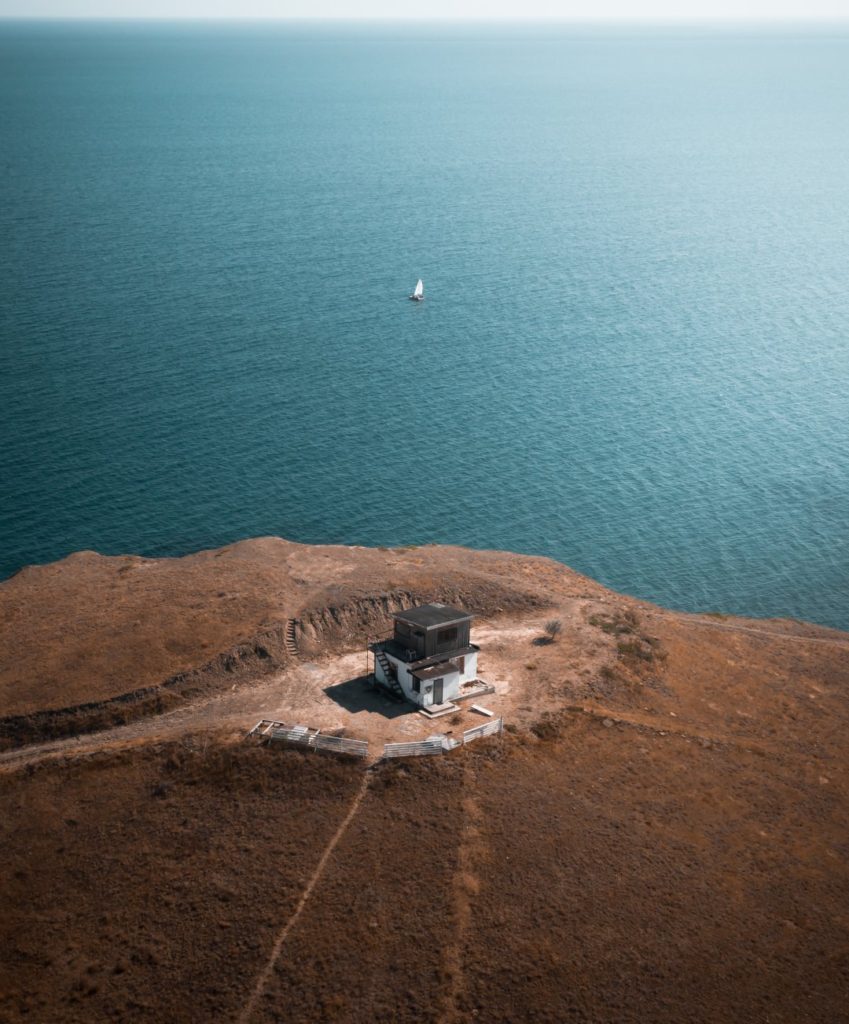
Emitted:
pixel 470 853
pixel 754 630
pixel 264 975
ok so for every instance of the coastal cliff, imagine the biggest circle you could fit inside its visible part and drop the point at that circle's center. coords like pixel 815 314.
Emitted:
pixel 658 835
pixel 93 640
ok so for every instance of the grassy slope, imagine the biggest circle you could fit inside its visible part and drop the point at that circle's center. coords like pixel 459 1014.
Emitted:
pixel 678 854
pixel 606 874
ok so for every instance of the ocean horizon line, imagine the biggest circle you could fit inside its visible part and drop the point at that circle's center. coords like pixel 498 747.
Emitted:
pixel 779 22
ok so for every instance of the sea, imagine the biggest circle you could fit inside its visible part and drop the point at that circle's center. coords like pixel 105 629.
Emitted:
pixel 633 353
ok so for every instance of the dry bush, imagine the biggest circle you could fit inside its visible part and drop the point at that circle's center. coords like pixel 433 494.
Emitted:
pixel 551 726
pixel 618 624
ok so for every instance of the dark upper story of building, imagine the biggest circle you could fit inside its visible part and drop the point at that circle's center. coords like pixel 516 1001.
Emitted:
pixel 430 631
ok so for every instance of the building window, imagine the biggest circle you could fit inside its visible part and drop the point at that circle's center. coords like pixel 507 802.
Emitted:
pixel 446 636
pixel 417 685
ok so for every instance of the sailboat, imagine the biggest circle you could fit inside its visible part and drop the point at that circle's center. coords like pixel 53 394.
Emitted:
pixel 418 291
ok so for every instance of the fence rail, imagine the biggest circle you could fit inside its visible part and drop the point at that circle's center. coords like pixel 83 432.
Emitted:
pixel 302 736
pixel 494 728
pixel 299 735
pixel 263 727
pixel 421 748
pixel 341 745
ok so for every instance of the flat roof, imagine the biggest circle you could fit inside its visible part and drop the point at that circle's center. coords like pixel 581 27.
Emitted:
pixel 445 668
pixel 430 615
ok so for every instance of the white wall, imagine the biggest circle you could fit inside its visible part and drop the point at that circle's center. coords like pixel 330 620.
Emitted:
pixel 451 681
pixel 470 670
pixel 450 688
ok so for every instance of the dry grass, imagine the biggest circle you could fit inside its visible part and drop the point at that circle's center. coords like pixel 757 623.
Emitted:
pixel 676 854
pixel 605 875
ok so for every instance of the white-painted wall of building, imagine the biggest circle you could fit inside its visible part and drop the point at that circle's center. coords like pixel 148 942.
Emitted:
pixel 450 688
pixel 470 669
pixel 452 681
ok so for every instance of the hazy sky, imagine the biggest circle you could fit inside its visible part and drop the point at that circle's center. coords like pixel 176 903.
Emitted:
pixel 584 10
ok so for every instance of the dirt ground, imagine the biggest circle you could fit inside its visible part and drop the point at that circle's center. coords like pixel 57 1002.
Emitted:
pixel 660 835
pixel 91 628
pixel 333 694
pixel 603 874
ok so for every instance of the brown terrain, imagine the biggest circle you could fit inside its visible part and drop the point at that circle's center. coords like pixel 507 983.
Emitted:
pixel 661 833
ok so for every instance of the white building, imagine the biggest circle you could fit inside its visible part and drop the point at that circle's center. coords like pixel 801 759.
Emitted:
pixel 429 656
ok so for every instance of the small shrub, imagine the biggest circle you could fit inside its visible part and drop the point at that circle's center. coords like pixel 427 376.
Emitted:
pixel 553 628
pixel 618 624
pixel 634 649
pixel 546 728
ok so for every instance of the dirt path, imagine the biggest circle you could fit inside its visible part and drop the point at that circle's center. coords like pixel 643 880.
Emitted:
pixel 773 634
pixel 466 885
pixel 238 709
pixel 265 974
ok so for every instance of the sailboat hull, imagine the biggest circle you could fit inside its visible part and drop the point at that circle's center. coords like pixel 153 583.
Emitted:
pixel 417 298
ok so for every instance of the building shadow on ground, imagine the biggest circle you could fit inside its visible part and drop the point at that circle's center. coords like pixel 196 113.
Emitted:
pixel 360 695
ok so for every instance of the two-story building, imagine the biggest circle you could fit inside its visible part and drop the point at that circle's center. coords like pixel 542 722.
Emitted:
pixel 429 656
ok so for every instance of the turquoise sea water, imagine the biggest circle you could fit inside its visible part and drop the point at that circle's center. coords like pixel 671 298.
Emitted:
pixel 634 351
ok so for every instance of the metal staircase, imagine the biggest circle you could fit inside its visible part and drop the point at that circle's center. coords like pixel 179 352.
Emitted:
pixel 389 682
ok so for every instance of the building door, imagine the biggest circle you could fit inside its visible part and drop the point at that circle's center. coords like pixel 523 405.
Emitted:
pixel 437 691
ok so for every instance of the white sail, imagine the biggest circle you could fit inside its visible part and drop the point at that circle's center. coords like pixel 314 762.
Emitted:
pixel 419 289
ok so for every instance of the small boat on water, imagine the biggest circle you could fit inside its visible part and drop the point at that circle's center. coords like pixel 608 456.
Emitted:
pixel 418 292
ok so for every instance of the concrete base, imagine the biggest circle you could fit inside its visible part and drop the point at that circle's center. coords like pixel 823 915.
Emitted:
pixel 438 710
pixel 475 688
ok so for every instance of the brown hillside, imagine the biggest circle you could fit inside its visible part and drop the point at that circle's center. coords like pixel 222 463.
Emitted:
pixel 602 875
pixel 92 627
pixel 659 836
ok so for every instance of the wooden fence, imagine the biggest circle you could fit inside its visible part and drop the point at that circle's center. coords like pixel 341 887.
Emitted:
pixel 438 744
pixel 421 748
pixel 494 728
pixel 263 727
pixel 341 745
pixel 301 736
